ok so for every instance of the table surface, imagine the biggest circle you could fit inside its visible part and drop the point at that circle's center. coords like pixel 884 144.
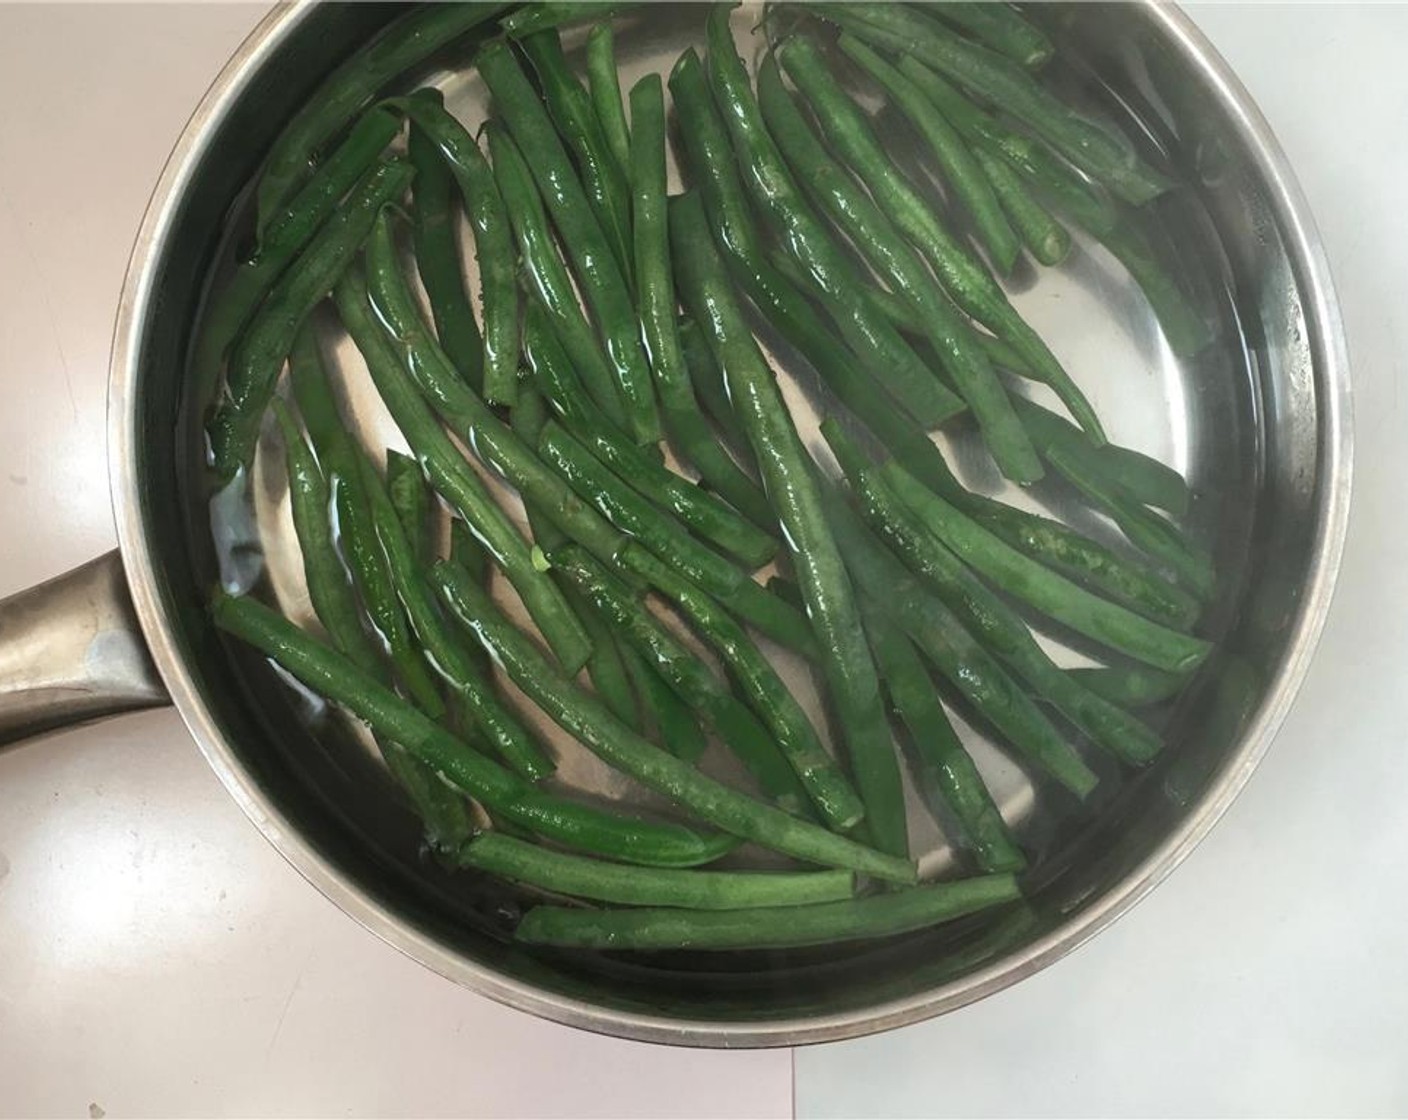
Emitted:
pixel 159 958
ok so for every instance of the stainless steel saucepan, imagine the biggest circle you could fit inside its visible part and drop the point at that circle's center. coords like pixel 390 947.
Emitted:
pixel 1260 423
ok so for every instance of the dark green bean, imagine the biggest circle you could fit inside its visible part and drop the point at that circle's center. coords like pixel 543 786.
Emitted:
pixel 707 380
pixel 605 667
pixel 961 170
pixel 861 919
pixel 527 418
pixel 545 268
pixel 787 478
pixel 493 245
pixel 351 86
pixel 852 133
pixel 1052 594
pixel 601 278
pixel 1131 686
pixel 604 85
pixel 578 826
pixel 950 772
pixel 691 680
pixel 687 428
pixel 665 715
pixel 634 886
pixel 956 654
pixel 454 478
pixel 1187 330
pixel 826 785
pixel 778 195
pixel 1000 28
pixel 702 512
pixel 411 497
pixel 255 364
pixel 583 716
pixel 603 177
pixel 852 210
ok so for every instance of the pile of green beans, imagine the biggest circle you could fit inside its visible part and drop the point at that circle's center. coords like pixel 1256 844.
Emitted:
pixel 683 551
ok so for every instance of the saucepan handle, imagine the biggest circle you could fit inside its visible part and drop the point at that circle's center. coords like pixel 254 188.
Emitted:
pixel 71 650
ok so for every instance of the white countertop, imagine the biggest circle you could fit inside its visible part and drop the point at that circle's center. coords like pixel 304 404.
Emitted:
pixel 157 957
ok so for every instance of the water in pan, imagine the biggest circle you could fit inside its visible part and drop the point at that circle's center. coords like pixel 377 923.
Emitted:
pixel 1192 415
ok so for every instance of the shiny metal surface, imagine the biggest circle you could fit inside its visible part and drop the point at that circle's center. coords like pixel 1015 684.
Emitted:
pixel 71 650
pixel 1260 422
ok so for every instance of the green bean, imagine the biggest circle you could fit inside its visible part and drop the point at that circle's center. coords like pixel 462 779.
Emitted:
pixel 1099 151
pixel 531 18
pixel 604 85
pixel 1187 331
pixel 1146 530
pixel 1051 594
pixel 707 380
pixel 826 785
pixel 587 245
pixel 578 826
pixel 961 169
pixel 551 283
pixel 1047 238
pixel 956 654
pixel 787 478
pixel 779 196
pixel 605 668
pixel 255 364
pixel 852 210
pixel 411 497
pixel 782 927
pixel 634 886
pixel 493 245
pixel 527 417
pixel 664 714
pixel 1000 28
pixel 351 86
pixel 603 178
pixel 702 512
pixel 969 285
pixel 986 616
pixel 950 772
pixel 665 537
pixel 686 427
pixel 454 478
pixel 437 249
pixel 468 551
pixel 1131 686
pixel 691 680
pixel 583 716
pixel 287 233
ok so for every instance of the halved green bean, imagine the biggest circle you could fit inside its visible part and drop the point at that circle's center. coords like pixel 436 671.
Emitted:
pixel 969 285
pixel 286 234
pixel 603 283
pixel 255 364
pixel 787 477
pixel 956 654
pixel 664 714
pixel 603 178
pixel 1052 594
pixel 987 617
pixel 493 244
pixel 1099 151
pixel 604 85
pixel 584 717
pixel 635 886
pixel 852 210
pixel 1000 28
pixel 778 195
pixel 454 478
pixel 551 282
pixel 821 777
pixel 634 515
pixel 1043 235
pixel 351 86
pixel 578 826
pixel 961 170
pixel 950 771
pixel 437 248
pixel 702 512
pixel 687 428
pixel 783 927
pixel 691 680
pixel 1131 686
